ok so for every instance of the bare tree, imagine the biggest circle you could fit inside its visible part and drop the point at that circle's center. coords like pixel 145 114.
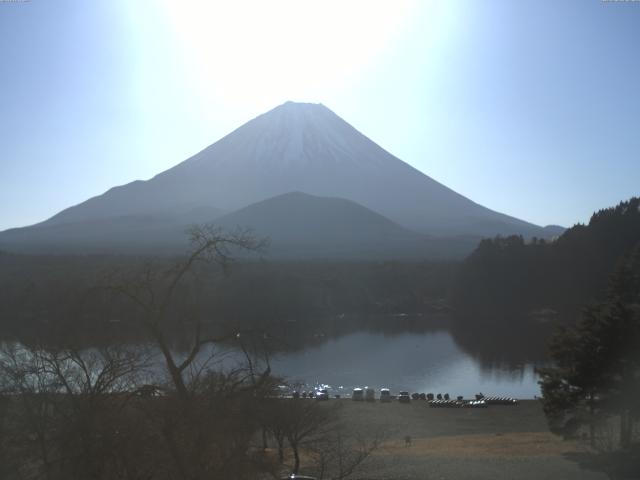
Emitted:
pixel 64 404
pixel 306 419
pixel 87 413
pixel 206 419
pixel 275 421
pixel 340 453
pixel 154 292
pixel 315 427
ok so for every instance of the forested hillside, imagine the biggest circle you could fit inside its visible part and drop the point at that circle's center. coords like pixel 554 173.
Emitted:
pixel 42 294
pixel 507 282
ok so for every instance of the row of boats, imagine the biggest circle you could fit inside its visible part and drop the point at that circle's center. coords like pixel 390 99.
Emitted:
pixel 434 400
pixel 482 402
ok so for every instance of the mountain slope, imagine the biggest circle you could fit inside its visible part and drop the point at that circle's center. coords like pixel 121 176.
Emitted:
pixel 298 226
pixel 307 148
pixel 301 225
pixel 138 233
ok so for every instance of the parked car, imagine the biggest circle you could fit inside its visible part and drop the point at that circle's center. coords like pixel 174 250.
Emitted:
pixel 369 394
pixel 404 397
pixel 322 394
pixel 385 395
pixel 357 395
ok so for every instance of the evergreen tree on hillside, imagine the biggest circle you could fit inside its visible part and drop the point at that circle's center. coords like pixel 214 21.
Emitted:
pixel 597 362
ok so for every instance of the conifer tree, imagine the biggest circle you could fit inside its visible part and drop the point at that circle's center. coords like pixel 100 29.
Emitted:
pixel 596 372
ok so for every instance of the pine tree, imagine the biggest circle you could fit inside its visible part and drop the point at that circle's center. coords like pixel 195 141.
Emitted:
pixel 596 372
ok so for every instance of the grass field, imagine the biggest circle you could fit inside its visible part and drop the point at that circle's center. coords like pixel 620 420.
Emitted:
pixel 498 442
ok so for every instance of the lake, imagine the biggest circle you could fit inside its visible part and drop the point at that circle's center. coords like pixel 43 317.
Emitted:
pixel 417 362
pixel 424 361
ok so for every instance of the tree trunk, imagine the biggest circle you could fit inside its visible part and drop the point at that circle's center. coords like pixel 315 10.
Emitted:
pixel 625 429
pixel 592 426
pixel 174 372
pixel 296 458
pixel 280 449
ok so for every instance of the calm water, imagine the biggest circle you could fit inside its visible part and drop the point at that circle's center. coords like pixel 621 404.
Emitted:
pixel 417 362
pixel 413 361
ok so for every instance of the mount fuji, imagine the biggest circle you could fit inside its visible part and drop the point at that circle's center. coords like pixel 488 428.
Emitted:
pixel 296 147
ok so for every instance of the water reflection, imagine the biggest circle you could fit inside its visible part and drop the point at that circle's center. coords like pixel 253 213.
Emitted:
pixel 424 362
pixel 414 353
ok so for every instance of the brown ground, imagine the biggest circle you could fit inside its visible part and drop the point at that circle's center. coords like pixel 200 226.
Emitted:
pixel 493 445
pixel 499 442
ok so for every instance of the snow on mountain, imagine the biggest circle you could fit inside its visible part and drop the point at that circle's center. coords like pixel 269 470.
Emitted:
pixel 297 147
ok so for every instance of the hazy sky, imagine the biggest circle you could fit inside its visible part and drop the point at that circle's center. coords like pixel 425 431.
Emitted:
pixel 531 108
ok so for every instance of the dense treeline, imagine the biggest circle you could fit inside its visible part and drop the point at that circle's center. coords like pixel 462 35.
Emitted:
pixel 508 285
pixel 40 295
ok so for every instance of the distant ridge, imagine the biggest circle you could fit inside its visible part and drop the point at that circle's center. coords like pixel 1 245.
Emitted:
pixel 305 225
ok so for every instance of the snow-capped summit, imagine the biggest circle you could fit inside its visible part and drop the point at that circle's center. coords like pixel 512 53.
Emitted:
pixel 300 147
pixel 296 147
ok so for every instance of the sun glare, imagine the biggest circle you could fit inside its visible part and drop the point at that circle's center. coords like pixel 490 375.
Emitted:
pixel 260 53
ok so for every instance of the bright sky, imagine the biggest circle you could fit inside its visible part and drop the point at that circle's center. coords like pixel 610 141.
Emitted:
pixel 531 108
